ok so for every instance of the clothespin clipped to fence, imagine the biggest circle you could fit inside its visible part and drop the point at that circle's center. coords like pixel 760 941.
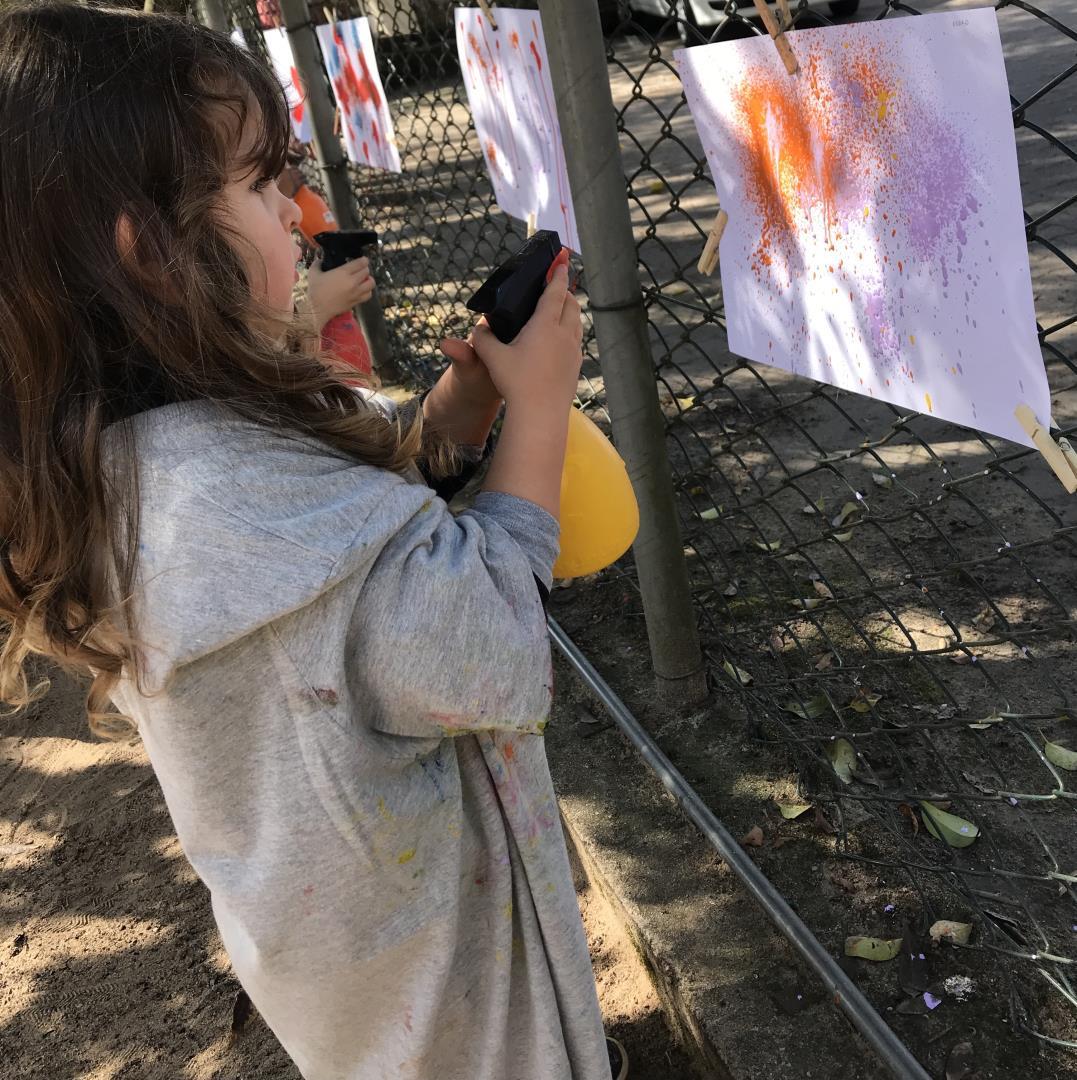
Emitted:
pixel 330 15
pixel 778 34
pixel 786 14
pixel 708 261
pixel 532 224
pixel 147 7
pixel 486 6
pixel 1060 456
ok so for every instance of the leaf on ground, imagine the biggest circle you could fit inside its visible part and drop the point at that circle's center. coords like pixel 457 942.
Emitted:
pixel 842 755
pixel 685 402
pixel 882 480
pixel 985 723
pixel 843 538
pixel 777 642
pixel 951 829
pixel 824 662
pixel 697 491
pixel 907 811
pixel 656 187
pixel 754 837
pixel 709 515
pixel 809 510
pixel 1060 756
pixel 958 933
pixel 823 590
pixel 790 811
pixel 812 709
pixel 820 822
pixel 863 701
pixel 738 675
pixel 961 658
pixel 985 620
pixel 872 948
pixel 731 589
pixel 806 605
pixel 961 1063
pixel 768 545
pixel 847 511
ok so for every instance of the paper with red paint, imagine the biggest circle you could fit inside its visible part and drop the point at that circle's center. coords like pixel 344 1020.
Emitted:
pixel 876 236
pixel 369 138
pixel 507 78
pixel 280 56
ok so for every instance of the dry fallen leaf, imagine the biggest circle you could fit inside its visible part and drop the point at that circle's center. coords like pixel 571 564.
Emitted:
pixel 870 948
pixel 956 932
pixel 910 813
pixel 754 837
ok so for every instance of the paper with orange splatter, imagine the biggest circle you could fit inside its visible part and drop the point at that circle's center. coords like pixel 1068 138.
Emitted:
pixel 280 56
pixel 876 236
pixel 367 127
pixel 507 77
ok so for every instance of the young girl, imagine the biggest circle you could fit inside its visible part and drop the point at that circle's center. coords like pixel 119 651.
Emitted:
pixel 341 686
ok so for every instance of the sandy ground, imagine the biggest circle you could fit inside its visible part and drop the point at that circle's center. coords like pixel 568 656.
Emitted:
pixel 110 966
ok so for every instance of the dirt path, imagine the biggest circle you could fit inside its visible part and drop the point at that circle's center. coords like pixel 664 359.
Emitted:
pixel 110 965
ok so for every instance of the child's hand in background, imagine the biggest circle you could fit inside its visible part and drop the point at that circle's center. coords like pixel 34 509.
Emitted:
pixel 332 292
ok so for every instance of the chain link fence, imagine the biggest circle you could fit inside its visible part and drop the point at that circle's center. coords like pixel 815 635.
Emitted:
pixel 888 597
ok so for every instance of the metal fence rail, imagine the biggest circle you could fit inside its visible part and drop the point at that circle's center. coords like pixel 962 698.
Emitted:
pixel 860 574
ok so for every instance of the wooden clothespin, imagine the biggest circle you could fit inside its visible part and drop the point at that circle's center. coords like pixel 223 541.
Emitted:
pixel 330 15
pixel 532 224
pixel 778 34
pixel 786 15
pixel 486 6
pixel 1062 458
pixel 708 261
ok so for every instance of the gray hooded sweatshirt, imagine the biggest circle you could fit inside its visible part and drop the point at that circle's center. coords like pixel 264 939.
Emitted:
pixel 344 693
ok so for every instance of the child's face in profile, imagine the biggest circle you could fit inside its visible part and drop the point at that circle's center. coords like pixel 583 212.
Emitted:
pixel 254 207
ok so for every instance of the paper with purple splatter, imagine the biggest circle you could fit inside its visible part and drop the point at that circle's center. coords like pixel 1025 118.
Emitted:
pixel 876 237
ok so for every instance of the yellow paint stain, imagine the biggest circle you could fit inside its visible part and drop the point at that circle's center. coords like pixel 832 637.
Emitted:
pixel 867 212
pixel 551 887
pixel 384 811
pixel 912 339
pixel 953 371
pixel 507 910
pixel 883 98
pixel 930 407
pixel 406 856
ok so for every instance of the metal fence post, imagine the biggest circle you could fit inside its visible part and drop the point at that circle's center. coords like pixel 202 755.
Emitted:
pixel 211 13
pixel 332 162
pixel 585 110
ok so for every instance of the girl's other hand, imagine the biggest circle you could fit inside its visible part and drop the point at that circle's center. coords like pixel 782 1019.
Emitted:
pixel 332 292
pixel 540 369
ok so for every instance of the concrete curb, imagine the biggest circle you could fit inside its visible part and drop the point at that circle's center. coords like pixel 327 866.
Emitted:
pixel 728 982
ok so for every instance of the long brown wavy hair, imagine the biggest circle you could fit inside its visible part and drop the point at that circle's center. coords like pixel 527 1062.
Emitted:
pixel 108 114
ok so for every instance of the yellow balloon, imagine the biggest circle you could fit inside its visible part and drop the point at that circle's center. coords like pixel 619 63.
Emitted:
pixel 599 514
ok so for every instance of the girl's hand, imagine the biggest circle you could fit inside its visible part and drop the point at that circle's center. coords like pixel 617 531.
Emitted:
pixel 332 292
pixel 540 369
pixel 465 401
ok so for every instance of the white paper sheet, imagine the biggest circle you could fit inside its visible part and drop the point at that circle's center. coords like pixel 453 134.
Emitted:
pixel 876 238
pixel 507 77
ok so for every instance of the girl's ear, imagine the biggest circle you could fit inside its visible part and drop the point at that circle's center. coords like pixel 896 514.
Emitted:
pixel 148 274
pixel 125 239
